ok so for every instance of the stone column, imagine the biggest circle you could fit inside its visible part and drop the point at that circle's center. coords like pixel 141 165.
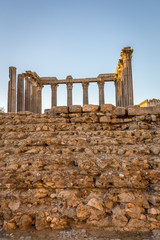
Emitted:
pixel 126 57
pixel 9 96
pixel 12 90
pixel 119 84
pixel 85 92
pixel 27 94
pixel 69 93
pixel 20 93
pixel 34 98
pixel 101 91
pixel 39 99
pixel 54 94
pixel 116 90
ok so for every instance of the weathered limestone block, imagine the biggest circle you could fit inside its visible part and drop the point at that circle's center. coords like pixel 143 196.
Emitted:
pixel 120 111
pixel 96 203
pixel 75 109
pixel 41 222
pixel 82 212
pixel 14 205
pixel 25 222
pixel 61 109
pixel 105 119
pixel 8 226
pixel 135 111
pixel 107 107
pixel 90 108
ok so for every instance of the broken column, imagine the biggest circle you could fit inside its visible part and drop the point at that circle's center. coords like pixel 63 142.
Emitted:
pixel 85 92
pixel 54 94
pixel 20 93
pixel 12 90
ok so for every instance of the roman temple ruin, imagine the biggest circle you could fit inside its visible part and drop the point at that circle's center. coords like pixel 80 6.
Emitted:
pixel 25 94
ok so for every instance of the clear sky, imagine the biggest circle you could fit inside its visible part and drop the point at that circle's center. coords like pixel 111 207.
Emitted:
pixel 82 38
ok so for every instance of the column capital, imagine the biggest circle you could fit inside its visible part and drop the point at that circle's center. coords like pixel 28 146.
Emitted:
pixel 126 53
pixel 39 87
pixel 33 82
pixel 85 84
pixel 100 82
pixel 54 85
pixel 69 85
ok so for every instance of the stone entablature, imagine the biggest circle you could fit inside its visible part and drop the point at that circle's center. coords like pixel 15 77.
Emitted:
pixel 26 94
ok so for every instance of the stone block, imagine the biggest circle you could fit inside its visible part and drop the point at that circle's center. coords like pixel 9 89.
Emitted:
pixel 61 109
pixel 25 222
pixel 105 119
pixel 107 108
pixel 136 111
pixel 120 111
pixel 96 203
pixel 75 109
pixel 50 111
pixel 90 108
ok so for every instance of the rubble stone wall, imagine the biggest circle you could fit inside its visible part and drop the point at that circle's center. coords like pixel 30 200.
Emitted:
pixel 84 167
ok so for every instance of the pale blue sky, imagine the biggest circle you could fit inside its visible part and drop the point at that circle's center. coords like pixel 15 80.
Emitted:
pixel 82 38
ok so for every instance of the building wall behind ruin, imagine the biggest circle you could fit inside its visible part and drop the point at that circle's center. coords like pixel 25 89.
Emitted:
pixel 83 167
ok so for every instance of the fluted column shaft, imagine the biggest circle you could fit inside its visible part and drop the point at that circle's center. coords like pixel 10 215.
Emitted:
pixel 27 94
pixel 69 93
pixel 12 90
pixel 85 92
pixel 125 72
pixel 34 98
pixel 9 96
pixel 20 93
pixel 118 87
pixel 39 99
pixel 116 91
pixel 126 57
pixel 54 94
pixel 101 92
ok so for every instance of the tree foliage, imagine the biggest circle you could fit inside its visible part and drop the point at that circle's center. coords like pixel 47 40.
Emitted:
pixel 1 110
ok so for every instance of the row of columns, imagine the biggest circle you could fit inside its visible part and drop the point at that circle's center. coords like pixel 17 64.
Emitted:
pixel 85 93
pixel 33 96
pixel 29 91
pixel 28 96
